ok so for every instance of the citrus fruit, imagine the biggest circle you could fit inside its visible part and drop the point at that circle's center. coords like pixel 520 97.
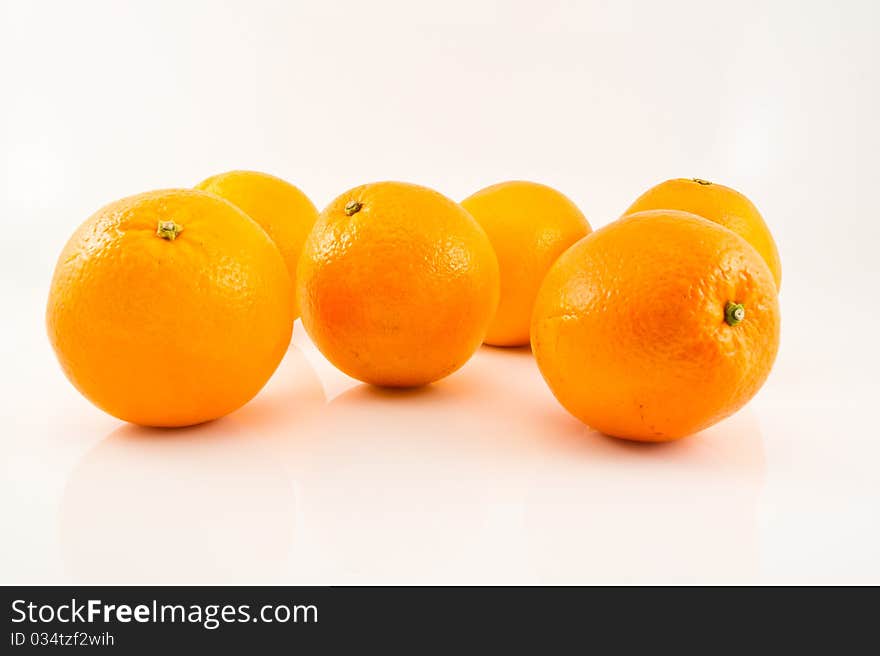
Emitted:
pixel 397 284
pixel 656 326
pixel 281 209
pixel 169 308
pixel 529 225
pixel 719 204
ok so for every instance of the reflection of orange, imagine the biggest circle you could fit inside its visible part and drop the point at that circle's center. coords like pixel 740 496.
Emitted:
pixel 383 483
pixel 397 284
pixel 210 506
pixel 529 225
pixel 281 209
pixel 588 513
pixel 656 326
pixel 169 308
pixel 719 204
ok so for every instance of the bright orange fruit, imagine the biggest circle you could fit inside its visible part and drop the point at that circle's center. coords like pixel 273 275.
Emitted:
pixel 529 225
pixel 719 204
pixel 656 326
pixel 169 308
pixel 397 284
pixel 281 209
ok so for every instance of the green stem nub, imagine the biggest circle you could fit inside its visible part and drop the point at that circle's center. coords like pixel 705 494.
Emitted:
pixel 168 230
pixel 734 313
pixel 352 207
pixel 701 181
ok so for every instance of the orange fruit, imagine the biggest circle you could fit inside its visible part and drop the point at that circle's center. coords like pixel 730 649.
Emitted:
pixel 397 284
pixel 281 209
pixel 529 225
pixel 719 204
pixel 656 326
pixel 169 308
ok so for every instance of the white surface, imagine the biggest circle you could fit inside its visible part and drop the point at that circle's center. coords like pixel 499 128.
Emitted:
pixel 483 477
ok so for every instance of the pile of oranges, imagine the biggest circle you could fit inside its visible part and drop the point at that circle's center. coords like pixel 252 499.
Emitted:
pixel 174 307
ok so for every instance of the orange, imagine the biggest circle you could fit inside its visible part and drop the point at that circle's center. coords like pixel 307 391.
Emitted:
pixel 397 284
pixel 719 204
pixel 529 225
pixel 169 308
pixel 656 326
pixel 281 209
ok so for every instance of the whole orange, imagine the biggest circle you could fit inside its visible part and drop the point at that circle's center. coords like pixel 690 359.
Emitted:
pixel 397 284
pixel 529 225
pixel 656 326
pixel 169 308
pixel 719 204
pixel 281 209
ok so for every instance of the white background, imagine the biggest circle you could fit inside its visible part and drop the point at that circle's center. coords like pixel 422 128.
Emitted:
pixel 482 477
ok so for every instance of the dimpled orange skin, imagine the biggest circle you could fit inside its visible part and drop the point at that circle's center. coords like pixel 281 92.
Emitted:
pixel 718 204
pixel 169 332
pixel 397 284
pixel 629 326
pixel 282 210
pixel 529 225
